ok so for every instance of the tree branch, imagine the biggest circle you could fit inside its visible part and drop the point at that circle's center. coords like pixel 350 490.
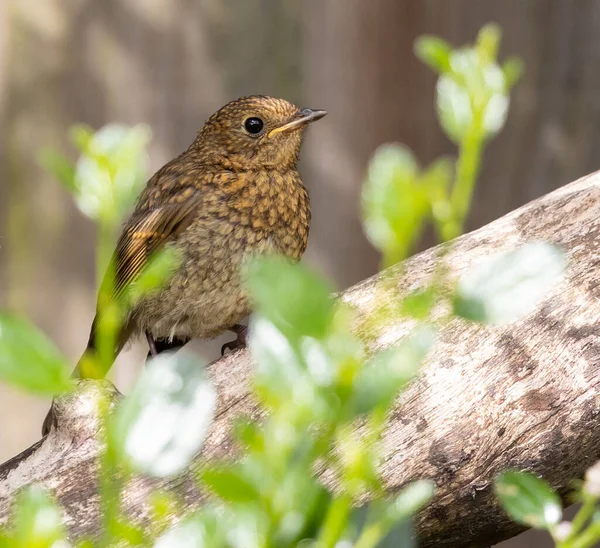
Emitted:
pixel 489 398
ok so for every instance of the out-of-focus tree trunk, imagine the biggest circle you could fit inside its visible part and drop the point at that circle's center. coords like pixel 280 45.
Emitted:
pixel 359 64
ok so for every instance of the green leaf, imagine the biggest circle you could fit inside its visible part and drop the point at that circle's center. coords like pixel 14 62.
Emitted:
pixel 472 90
pixel 111 171
pixel 37 520
pixel 29 360
pixel 528 500
pixel 512 69
pixel 394 202
pixel 155 274
pixel 190 533
pixel 229 483
pixel 384 375
pixel 81 136
pixel 59 167
pixel 296 300
pixel 419 303
pixel 282 374
pixel 400 536
pixel 488 42
pixel 434 52
pixel 162 424
pixel 510 285
pixel 410 501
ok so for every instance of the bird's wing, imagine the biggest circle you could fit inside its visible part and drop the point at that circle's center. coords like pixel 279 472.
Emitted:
pixel 145 233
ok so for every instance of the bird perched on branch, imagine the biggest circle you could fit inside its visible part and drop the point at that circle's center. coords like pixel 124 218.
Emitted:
pixel 235 191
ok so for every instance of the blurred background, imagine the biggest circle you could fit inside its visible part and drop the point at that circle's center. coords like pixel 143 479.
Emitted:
pixel 171 63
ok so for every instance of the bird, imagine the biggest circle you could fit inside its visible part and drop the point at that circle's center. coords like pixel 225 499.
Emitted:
pixel 235 192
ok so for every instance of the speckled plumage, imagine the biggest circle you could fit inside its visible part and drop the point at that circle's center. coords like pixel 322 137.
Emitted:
pixel 229 195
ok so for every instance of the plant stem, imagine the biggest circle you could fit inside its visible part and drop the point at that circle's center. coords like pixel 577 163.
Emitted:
pixel 467 169
pixel 105 244
pixel 335 521
pixel 108 485
pixel 582 516
pixel 587 539
pixel 370 536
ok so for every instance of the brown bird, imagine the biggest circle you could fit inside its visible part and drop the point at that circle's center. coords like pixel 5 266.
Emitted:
pixel 235 191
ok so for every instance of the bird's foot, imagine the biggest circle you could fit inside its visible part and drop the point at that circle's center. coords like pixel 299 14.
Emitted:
pixel 157 346
pixel 240 342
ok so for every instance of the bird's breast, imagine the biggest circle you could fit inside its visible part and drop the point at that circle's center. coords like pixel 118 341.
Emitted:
pixel 267 209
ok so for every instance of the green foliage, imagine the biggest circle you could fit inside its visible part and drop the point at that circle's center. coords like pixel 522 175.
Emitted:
pixel 528 499
pixel 397 198
pixel 37 522
pixel 292 299
pixel 161 425
pixel 508 286
pixel 157 271
pixel 110 171
pixel 29 360
pixel 473 89
pixel 472 100
pixel 325 395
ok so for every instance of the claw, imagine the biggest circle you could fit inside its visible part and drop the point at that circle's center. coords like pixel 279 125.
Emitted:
pixel 240 342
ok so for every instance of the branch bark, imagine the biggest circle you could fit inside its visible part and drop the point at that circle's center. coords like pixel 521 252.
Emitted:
pixel 489 398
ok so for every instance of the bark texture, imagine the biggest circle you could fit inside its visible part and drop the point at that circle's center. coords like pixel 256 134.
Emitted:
pixel 489 398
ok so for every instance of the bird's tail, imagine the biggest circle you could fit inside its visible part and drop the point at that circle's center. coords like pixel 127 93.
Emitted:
pixel 87 366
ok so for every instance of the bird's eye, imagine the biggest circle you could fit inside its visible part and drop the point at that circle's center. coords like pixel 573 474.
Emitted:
pixel 253 125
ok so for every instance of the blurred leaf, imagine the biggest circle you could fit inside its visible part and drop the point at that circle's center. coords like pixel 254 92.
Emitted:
pixel 437 178
pixel 164 506
pixel 59 167
pixel 296 300
pixel 512 69
pixel 472 89
pixel 488 42
pixel 278 366
pixel 400 536
pixel 249 434
pixel 395 205
pixel 394 520
pixel 410 501
pixel 384 375
pixel 528 499
pixel 434 52
pixel 282 375
pixel 368 520
pixel 127 532
pixel 29 360
pixel 453 108
pixel 162 424
pixel 188 534
pixel 37 520
pixel 419 303
pixel 111 171
pixel 358 461
pixel 156 273
pixel 508 286
pixel 81 135
pixel 229 483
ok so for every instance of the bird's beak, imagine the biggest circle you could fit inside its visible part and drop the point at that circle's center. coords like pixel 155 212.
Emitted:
pixel 305 116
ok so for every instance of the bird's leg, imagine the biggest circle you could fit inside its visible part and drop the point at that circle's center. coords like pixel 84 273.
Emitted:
pixel 158 346
pixel 152 344
pixel 242 334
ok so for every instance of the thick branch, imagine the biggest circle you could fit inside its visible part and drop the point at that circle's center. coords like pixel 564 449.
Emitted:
pixel 489 398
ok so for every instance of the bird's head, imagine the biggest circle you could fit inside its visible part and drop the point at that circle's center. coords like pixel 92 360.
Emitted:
pixel 255 132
